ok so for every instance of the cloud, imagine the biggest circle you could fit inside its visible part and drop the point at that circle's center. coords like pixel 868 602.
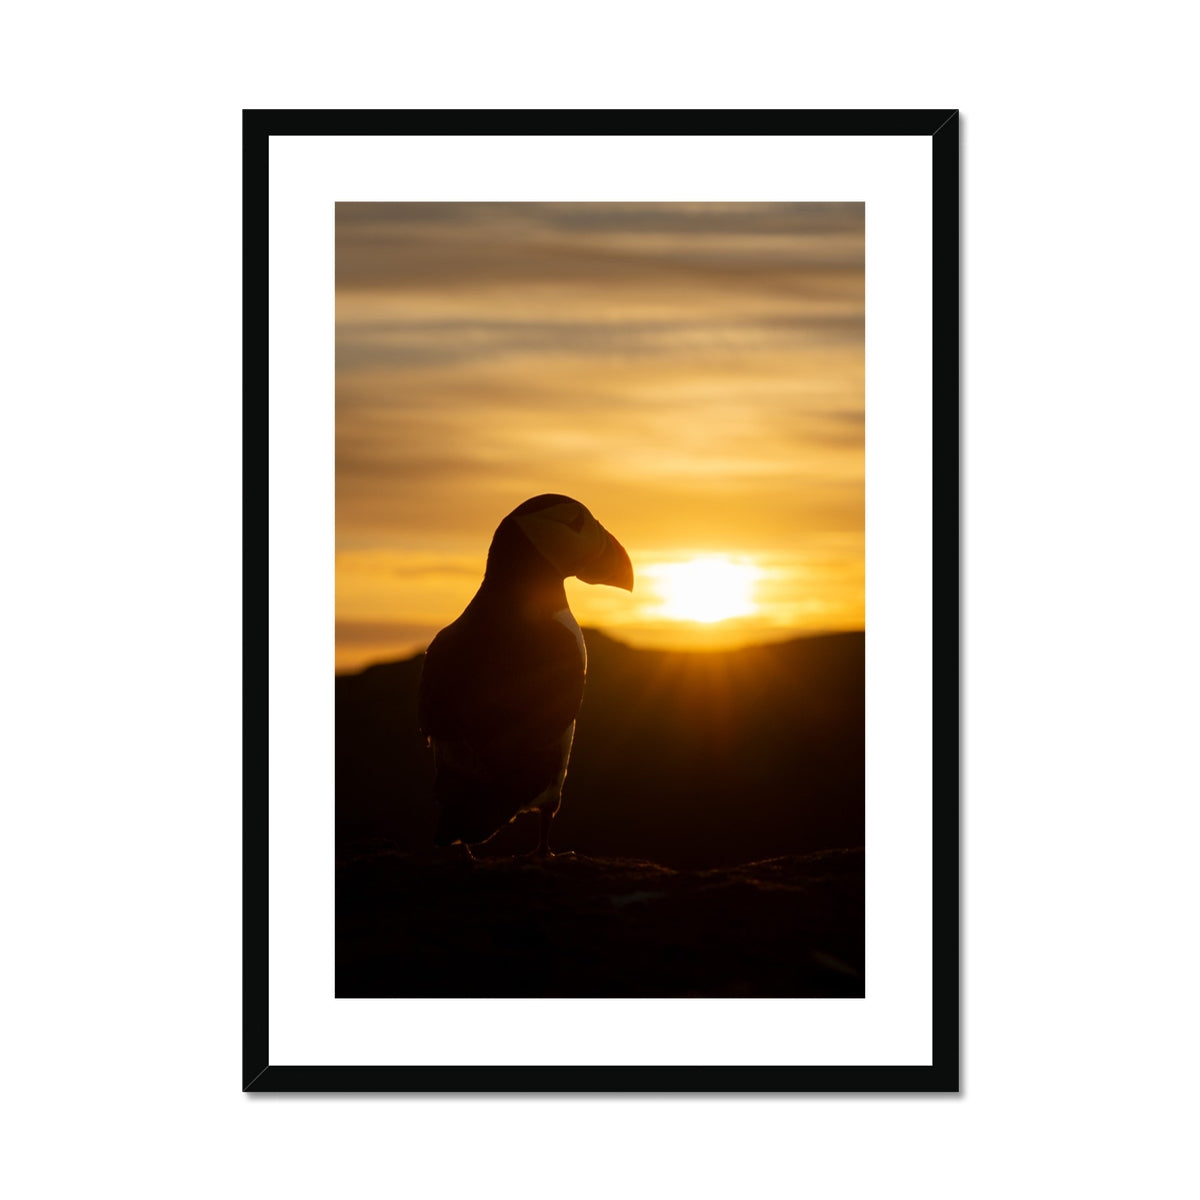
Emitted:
pixel 449 342
pixel 641 257
pixel 358 634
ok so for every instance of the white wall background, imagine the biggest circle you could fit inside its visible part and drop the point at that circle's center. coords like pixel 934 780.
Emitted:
pixel 119 469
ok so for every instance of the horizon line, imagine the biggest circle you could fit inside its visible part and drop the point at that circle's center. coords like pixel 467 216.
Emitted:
pixel 595 630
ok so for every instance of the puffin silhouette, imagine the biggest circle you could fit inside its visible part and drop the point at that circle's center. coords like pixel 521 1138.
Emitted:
pixel 501 686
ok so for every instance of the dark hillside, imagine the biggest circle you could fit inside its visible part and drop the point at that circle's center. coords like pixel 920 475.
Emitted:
pixel 688 760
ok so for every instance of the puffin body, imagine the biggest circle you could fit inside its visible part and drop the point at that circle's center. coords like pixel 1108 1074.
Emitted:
pixel 501 686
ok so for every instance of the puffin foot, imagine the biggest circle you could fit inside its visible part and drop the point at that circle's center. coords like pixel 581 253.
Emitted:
pixel 546 852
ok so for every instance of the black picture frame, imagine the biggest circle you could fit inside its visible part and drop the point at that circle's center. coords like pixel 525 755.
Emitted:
pixel 941 126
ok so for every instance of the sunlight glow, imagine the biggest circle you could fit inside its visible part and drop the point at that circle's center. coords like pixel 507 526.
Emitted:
pixel 706 589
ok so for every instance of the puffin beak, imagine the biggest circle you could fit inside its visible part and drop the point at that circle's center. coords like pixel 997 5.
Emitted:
pixel 611 565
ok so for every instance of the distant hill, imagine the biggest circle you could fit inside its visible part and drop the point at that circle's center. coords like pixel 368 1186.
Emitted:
pixel 689 760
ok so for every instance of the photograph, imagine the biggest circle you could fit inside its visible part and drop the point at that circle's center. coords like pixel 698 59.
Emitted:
pixel 600 600
pixel 612 659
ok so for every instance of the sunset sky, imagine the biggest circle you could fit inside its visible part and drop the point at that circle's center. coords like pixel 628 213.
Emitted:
pixel 693 373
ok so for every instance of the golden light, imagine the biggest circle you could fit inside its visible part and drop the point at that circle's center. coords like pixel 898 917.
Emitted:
pixel 707 589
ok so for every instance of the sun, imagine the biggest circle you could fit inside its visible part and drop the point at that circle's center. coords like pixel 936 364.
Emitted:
pixel 706 589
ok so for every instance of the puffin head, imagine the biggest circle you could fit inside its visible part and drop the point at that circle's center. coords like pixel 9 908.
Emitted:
pixel 568 538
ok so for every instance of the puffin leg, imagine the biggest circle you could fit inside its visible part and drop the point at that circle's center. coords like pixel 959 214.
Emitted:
pixel 542 849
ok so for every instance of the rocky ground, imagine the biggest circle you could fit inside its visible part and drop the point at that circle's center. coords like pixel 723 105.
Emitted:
pixel 573 926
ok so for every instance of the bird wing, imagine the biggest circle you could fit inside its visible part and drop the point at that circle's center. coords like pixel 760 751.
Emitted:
pixel 507 694
pixel 497 712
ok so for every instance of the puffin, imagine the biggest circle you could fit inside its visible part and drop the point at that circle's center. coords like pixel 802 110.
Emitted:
pixel 501 686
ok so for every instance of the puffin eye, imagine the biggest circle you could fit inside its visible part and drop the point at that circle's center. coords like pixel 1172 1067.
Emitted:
pixel 576 523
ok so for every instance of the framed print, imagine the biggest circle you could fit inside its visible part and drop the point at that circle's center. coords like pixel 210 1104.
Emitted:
pixel 611 566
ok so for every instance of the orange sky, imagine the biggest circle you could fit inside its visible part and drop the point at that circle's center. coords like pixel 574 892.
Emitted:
pixel 691 373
